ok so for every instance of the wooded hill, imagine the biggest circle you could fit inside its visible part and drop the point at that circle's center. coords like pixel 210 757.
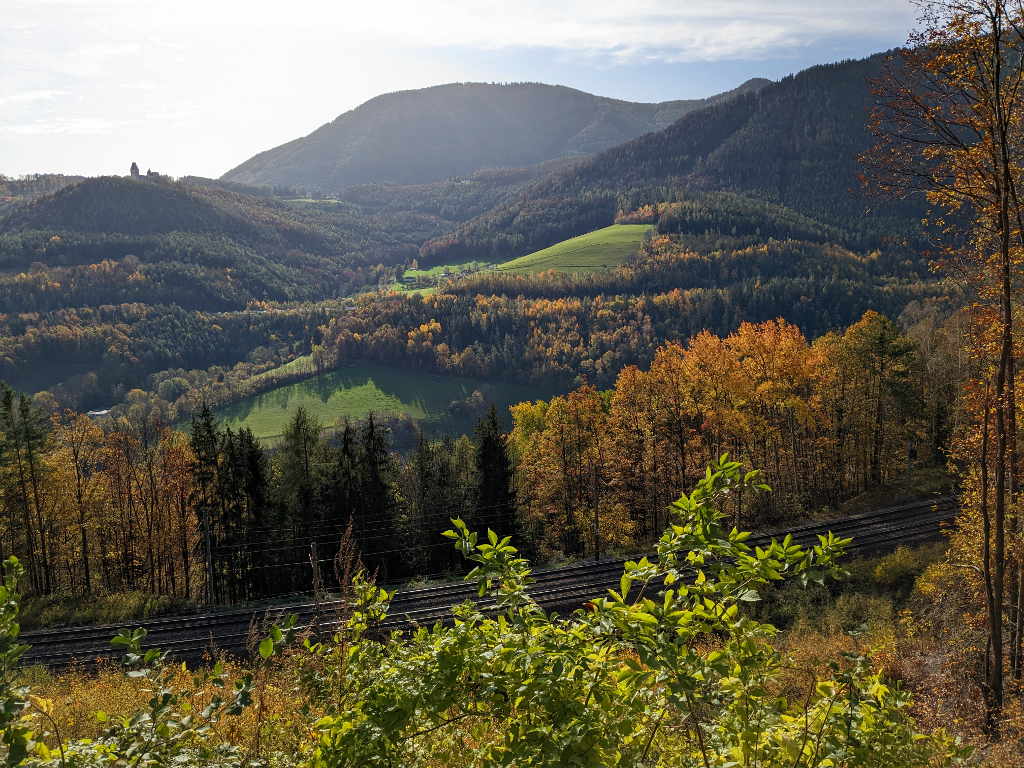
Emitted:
pixel 793 143
pixel 201 248
pixel 15 192
pixel 432 134
pixel 111 280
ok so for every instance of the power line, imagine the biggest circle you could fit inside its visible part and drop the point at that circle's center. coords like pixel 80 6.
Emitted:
pixel 331 560
pixel 339 526
pixel 318 537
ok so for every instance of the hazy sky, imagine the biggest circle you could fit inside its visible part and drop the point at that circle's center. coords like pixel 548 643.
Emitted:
pixel 189 87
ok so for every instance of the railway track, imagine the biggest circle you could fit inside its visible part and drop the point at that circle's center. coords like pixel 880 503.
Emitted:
pixel 189 637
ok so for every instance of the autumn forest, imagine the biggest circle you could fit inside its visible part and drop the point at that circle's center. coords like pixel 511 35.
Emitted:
pixel 817 318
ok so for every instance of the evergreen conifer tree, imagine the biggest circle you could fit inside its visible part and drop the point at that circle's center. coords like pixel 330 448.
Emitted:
pixel 495 496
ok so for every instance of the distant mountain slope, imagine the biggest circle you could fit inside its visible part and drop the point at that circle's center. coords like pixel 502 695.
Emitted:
pixel 795 142
pixel 116 205
pixel 429 135
pixel 15 192
pixel 112 240
pixel 242 189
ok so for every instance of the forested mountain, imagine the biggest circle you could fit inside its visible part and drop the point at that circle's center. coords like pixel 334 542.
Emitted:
pixel 431 134
pixel 118 205
pixel 197 247
pixel 793 143
pixel 452 200
pixel 14 192
pixel 264 190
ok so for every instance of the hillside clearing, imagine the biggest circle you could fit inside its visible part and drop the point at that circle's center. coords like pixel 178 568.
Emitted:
pixel 595 251
pixel 353 391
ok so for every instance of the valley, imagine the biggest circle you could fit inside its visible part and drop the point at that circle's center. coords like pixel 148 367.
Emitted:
pixel 438 405
pixel 510 423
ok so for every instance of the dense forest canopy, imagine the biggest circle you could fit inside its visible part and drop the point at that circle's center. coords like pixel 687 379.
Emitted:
pixel 827 421
pixel 15 192
pixel 196 247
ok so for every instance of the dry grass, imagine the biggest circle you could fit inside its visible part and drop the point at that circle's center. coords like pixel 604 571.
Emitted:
pixel 280 722
pixel 75 610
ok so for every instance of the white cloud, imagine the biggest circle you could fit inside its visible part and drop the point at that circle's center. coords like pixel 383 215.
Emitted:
pixel 24 96
pixel 66 126
pixel 670 30
pixel 656 30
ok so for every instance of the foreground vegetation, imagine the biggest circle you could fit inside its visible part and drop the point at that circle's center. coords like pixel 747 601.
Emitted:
pixel 682 677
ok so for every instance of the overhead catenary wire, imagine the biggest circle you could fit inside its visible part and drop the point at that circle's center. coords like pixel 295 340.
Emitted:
pixel 320 538
pixel 341 527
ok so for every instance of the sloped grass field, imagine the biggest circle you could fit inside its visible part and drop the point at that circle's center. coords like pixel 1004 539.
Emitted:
pixel 353 391
pixel 595 251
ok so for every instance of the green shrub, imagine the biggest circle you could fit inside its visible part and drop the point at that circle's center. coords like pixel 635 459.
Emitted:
pixel 872 595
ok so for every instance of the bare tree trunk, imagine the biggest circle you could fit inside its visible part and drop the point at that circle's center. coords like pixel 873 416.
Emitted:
pixel 986 560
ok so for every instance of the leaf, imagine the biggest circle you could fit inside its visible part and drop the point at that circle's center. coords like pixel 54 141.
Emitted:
pixel 266 648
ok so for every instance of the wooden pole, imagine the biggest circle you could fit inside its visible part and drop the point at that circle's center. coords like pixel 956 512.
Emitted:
pixel 597 540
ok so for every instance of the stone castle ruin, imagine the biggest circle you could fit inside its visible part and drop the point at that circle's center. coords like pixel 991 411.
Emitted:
pixel 137 175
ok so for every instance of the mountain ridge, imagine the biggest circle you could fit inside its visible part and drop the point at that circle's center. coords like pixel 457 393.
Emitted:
pixel 433 134
pixel 795 142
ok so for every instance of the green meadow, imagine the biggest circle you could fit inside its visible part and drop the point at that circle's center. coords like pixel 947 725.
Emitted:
pixel 354 391
pixel 454 266
pixel 604 249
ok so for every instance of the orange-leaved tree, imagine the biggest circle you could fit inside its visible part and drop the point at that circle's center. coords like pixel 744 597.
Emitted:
pixel 948 125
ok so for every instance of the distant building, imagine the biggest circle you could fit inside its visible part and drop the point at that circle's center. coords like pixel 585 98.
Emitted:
pixel 137 174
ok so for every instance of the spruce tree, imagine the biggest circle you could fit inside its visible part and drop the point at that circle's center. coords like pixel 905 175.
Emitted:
pixel 495 496
pixel 375 507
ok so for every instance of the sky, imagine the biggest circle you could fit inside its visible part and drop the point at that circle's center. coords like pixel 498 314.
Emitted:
pixel 186 87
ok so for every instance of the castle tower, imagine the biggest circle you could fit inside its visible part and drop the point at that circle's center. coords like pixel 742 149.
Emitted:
pixel 135 170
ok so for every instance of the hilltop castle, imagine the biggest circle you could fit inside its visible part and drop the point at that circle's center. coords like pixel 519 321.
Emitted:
pixel 136 175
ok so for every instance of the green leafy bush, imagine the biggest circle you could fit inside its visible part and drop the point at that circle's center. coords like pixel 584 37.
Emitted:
pixel 668 670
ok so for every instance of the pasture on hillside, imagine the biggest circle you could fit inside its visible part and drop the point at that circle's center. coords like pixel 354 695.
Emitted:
pixel 437 272
pixel 357 389
pixel 595 251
